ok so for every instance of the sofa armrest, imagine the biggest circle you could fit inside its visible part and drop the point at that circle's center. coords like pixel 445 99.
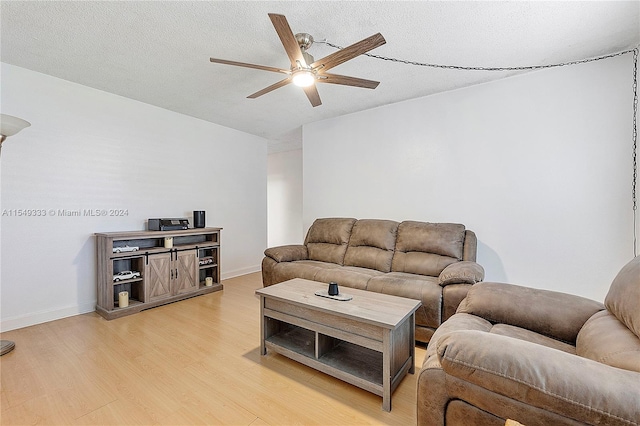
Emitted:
pixel 550 313
pixel 288 253
pixel 465 272
pixel 552 380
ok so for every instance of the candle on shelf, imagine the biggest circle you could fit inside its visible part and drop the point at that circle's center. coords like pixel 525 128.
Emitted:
pixel 208 281
pixel 123 299
pixel 168 242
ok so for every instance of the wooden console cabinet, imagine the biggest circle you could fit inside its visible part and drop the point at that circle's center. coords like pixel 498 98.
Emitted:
pixel 161 274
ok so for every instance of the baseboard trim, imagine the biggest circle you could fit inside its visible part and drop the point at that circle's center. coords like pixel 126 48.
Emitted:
pixel 15 323
pixel 45 316
pixel 241 271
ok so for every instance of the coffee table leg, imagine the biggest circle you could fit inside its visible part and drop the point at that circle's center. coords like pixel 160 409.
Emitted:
pixel 386 369
pixel 263 324
pixel 412 346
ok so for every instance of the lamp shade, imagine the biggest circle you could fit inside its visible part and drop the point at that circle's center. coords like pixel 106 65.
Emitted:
pixel 10 125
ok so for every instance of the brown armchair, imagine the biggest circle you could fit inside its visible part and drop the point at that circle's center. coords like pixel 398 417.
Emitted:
pixel 536 356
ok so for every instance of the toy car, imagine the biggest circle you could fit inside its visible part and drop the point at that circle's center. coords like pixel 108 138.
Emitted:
pixel 206 261
pixel 126 275
pixel 125 248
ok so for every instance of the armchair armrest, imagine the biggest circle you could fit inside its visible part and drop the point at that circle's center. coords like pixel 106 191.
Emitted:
pixel 465 272
pixel 287 253
pixel 552 380
pixel 553 314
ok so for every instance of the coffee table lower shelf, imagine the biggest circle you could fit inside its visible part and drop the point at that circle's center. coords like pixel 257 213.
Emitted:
pixel 367 341
pixel 349 362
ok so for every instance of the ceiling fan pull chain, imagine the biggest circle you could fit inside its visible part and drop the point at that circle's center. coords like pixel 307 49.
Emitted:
pixel 635 152
pixel 464 68
pixel 536 67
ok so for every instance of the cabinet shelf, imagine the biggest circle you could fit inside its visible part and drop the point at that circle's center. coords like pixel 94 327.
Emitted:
pixel 128 255
pixel 133 304
pixel 129 281
pixel 161 249
pixel 167 274
pixel 203 286
pixel 141 235
pixel 211 265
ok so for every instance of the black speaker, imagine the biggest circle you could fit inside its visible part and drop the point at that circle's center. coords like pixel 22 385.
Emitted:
pixel 198 219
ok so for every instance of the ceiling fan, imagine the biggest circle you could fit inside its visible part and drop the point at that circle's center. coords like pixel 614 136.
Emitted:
pixel 305 71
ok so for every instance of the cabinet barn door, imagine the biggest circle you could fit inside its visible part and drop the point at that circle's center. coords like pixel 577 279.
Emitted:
pixel 186 266
pixel 158 276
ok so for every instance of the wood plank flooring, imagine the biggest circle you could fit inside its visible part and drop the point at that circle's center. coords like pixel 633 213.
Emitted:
pixel 194 362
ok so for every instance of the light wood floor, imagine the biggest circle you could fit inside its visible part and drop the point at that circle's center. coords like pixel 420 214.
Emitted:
pixel 192 362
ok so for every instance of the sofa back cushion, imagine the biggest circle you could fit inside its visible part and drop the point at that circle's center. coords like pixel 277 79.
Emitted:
pixel 605 339
pixel 427 248
pixel 371 244
pixel 623 298
pixel 327 239
pixel 612 337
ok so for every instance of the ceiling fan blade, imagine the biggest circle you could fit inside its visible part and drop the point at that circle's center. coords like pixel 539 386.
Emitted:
pixel 313 95
pixel 347 81
pixel 273 87
pixel 288 39
pixel 243 64
pixel 349 52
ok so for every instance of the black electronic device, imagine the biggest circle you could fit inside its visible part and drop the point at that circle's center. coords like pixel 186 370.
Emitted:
pixel 198 218
pixel 333 289
pixel 168 224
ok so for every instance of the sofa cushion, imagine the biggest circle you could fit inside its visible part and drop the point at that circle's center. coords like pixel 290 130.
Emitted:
pixel 624 294
pixel 605 339
pixel 347 276
pixel 306 269
pixel 371 244
pixel 554 314
pixel 427 248
pixel 422 288
pixel 532 336
pixel 327 239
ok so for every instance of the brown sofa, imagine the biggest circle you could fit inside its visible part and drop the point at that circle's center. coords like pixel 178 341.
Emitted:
pixel 430 262
pixel 536 356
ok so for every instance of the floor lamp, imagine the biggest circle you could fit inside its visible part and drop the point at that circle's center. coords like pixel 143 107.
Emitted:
pixel 9 126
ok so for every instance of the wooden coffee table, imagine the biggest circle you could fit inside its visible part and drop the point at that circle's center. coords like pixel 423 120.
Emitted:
pixel 368 341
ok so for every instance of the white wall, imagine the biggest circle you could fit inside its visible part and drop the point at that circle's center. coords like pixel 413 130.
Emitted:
pixel 538 165
pixel 88 149
pixel 284 195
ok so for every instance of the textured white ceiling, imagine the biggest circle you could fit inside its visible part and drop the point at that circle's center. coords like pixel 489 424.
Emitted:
pixel 158 52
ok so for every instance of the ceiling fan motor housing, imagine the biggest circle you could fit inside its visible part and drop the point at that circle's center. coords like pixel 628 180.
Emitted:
pixel 304 40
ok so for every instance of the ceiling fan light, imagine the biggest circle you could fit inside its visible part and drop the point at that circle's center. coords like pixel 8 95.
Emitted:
pixel 303 78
